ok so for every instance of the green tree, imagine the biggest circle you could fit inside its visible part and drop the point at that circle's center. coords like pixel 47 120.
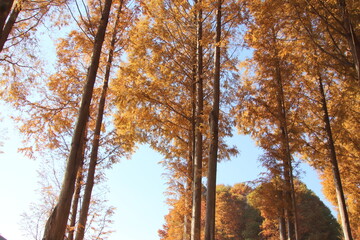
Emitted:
pixel 235 218
pixel 317 220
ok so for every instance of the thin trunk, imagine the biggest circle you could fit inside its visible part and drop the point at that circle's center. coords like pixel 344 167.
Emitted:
pixel 214 136
pixel 96 140
pixel 79 178
pixel 289 219
pixel 75 204
pixel 282 228
pixel 187 194
pixel 197 185
pixel 290 211
pixel 5 8
pixel 186 229
pixel 335 168
pixel 187 203
pixel 187 220
pixel 293 202
pixel 351 37
pixel 10 24
pixel 286 177
pixel 56 224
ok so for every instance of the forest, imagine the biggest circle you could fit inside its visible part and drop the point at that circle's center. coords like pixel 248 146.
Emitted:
pixel 183 76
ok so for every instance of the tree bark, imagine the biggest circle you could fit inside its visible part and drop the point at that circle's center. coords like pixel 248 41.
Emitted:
pixel 56 224
pixel 291 209
pixel 5 8
pixel 214 136
pixel 8 26
pixel 190 179
pixel 197 184
pixel 75 205
pixel 282 228
pixel 335 168
pixel 96 140
pixel 79 178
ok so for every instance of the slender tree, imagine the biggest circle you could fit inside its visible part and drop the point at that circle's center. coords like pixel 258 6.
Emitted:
pixel 334 165
pixel 56 224
pixel 319 56
pixel 96 139
pixel 78 186
pixel 289 191
pixel 197 184
pixel 269 103
pixel 214 135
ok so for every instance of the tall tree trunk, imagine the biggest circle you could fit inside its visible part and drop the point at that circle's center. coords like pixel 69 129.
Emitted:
pixel 290 211
pixel 75 204
pixel 5 8
pixel 214 136
pixel 192 142
pixel 335 168
pixel 9 24
pixel 282 225
pixel 351 37
pixel 96 140
pixel 187 203
pixel 76 199
pixel 56 224
pixel 197 185
pixel 188 187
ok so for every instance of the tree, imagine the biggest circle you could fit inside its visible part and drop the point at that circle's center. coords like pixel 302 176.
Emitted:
pixel 324 152
pixel 34 219
pixel 198 156
pixel 235 218
pixel 334 165
pixel 96 140
pixel 268 98
pixel 238 210
pixel 316 218
pixel 19 18
pixel 318 221
pixel 75 202
pixel 320 50
pixel 55 227
pixel 330 27
pixel 156 89
pixel 214 129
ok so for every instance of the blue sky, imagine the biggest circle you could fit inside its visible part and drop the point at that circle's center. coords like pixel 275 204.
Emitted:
pixel 136 186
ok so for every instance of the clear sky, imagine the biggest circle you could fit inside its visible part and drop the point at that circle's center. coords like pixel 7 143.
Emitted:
pixel 136 186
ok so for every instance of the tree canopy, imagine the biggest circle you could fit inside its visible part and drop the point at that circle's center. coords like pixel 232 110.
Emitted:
pixel 182 77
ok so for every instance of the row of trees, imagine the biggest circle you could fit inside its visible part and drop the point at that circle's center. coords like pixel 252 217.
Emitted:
pixel 243 212
pixel 297 94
